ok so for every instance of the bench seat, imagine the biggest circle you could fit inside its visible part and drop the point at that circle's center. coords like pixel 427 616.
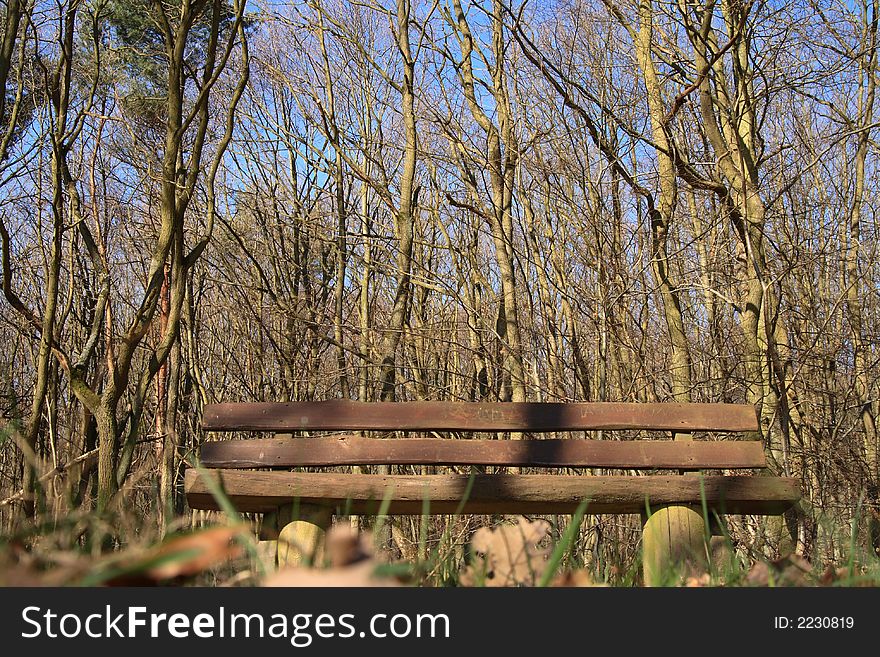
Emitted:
pixel 493 493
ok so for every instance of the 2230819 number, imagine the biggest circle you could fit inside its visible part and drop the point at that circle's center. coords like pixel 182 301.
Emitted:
pixel 825 622
pixel 814 623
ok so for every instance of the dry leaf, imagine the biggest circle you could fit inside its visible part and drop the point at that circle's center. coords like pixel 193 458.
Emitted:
pixel 344 546
pixel 181 556
pixel 832 575
pixel 508 555
pixel 22 569
pixel 759 574
pixel 698 582
pixel 359 574
pixel 792 570
pixel 193 553
pixel 575 578
pixel 351 559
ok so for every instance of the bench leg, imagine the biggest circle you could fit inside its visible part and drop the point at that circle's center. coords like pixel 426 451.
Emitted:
pixel 292 536
pixel 267 551
pixel 673 537
pixel 267 545
pixel 301 540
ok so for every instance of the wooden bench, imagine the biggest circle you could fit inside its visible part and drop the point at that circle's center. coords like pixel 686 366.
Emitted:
pixel 675 500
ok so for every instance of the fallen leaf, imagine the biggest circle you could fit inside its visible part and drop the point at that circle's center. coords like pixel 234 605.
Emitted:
pixel 759 574
pixel 507 555
pixel 832 575
pixel 351 563
pixel 360 574
pixel 178 556
pixel 23 570
pixel 344 546
pixel 575 578
pixel 792 570
pixel 698 582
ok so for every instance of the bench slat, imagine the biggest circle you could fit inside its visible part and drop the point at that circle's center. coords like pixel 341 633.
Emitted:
pixel 352 450
pixel 471 416
pixel 506 494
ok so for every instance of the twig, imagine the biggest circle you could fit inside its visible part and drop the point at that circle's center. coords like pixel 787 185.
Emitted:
pixel 88 458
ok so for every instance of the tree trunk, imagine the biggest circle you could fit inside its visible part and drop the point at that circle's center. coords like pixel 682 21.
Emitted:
pixel 404 216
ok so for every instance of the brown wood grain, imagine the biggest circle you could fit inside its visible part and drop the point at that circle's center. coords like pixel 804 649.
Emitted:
pixel 352 450
pixel 255 491
pixel 462 416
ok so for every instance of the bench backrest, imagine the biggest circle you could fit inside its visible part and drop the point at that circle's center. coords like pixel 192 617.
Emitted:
pixel 334 415
pixel 339 415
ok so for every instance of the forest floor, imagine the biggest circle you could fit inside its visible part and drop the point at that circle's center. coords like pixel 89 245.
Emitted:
pixel 125 549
